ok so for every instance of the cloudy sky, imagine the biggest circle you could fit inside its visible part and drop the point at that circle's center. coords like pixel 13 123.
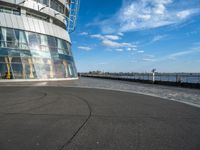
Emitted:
pixel 138 35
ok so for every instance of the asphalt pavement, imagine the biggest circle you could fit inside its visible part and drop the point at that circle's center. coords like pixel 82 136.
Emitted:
pixel 72 118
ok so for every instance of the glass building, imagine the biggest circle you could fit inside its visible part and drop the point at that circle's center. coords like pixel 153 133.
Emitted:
pixel 34 42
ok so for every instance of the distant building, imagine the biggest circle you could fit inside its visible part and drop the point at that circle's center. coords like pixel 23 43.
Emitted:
pixel 34 42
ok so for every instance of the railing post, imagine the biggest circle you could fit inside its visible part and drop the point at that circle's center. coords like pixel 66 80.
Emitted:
pixel 153 77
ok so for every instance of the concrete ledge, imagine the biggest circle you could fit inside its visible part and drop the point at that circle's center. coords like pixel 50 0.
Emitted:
pixel 36 80
pixel 179 84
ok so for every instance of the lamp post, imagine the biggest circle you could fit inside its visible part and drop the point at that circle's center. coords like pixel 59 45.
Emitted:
pixel 153 72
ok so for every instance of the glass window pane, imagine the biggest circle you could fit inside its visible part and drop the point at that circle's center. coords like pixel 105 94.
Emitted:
pixel 66 51
pixel 33 41
pixel 46 2
pixel 2 41
pixel 43 40
pixel 10 38
pixel 3 70
pixel 44 43
pixel 16 32
pixel 22 40
pixel 2 59
pixel 60 46
pixel 59 69
pixel 52 44
pixel 69 48
pixel 17 68
pixel 65 63
pixel 52 41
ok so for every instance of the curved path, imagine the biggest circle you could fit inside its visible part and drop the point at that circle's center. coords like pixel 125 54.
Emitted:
pixel 64 118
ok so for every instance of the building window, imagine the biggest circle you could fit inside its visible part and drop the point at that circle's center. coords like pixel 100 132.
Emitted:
pixel 69 48
pixel 10 38
pixel 32 15
pixel 44 43
pixel 23 43
pixel 57 6
pixel 60 46
pixel 31 55
pixel 19 39
pixel 33 41
pixel 64 44
pixel 2 40
pixel 46 2
pixel 52 44
pixel 9 10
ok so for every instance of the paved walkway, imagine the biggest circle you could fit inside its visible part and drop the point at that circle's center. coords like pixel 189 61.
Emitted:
pixel 66 118
pixel 184 95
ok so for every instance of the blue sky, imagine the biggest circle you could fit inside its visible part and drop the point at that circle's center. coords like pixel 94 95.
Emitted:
pixel 137 35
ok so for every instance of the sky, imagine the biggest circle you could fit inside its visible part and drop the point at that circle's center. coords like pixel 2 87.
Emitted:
pixel 137 36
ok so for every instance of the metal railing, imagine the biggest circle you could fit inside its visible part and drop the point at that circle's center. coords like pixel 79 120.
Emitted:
pixel 193 78
pixel 74 6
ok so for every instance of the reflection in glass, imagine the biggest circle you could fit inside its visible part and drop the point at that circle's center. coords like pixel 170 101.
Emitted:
pixel 23 44
pixel 59 69
pixel 27 55
pixel 10 38
pixel 16 67
pixel 52 44
pixel 3 32
pixel 60 46
pixel 3 70
pixel 44 43
pixel 69 48
pixel 33 41
pixel 2 41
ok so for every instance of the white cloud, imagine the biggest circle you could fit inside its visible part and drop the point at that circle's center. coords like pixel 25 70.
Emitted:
pixel 145 14
pixel 158 38
pixel 84 33
pixel 182 53
pixel 120 34
pixel 148 59
pixel 114 44
pixel 112 37
pixel 98 36
pixel 85 48
pixel 110 41
pixel 131 49
pixel 140 51
pixel 149 56
pixel 119 49
pixel 103 37
pixel 186 13
pixel 193 50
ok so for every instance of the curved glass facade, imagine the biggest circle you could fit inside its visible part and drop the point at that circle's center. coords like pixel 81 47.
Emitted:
pixel 29 55
pixel 54 4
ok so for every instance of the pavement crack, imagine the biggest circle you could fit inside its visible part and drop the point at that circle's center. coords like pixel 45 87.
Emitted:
pixel 82 125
